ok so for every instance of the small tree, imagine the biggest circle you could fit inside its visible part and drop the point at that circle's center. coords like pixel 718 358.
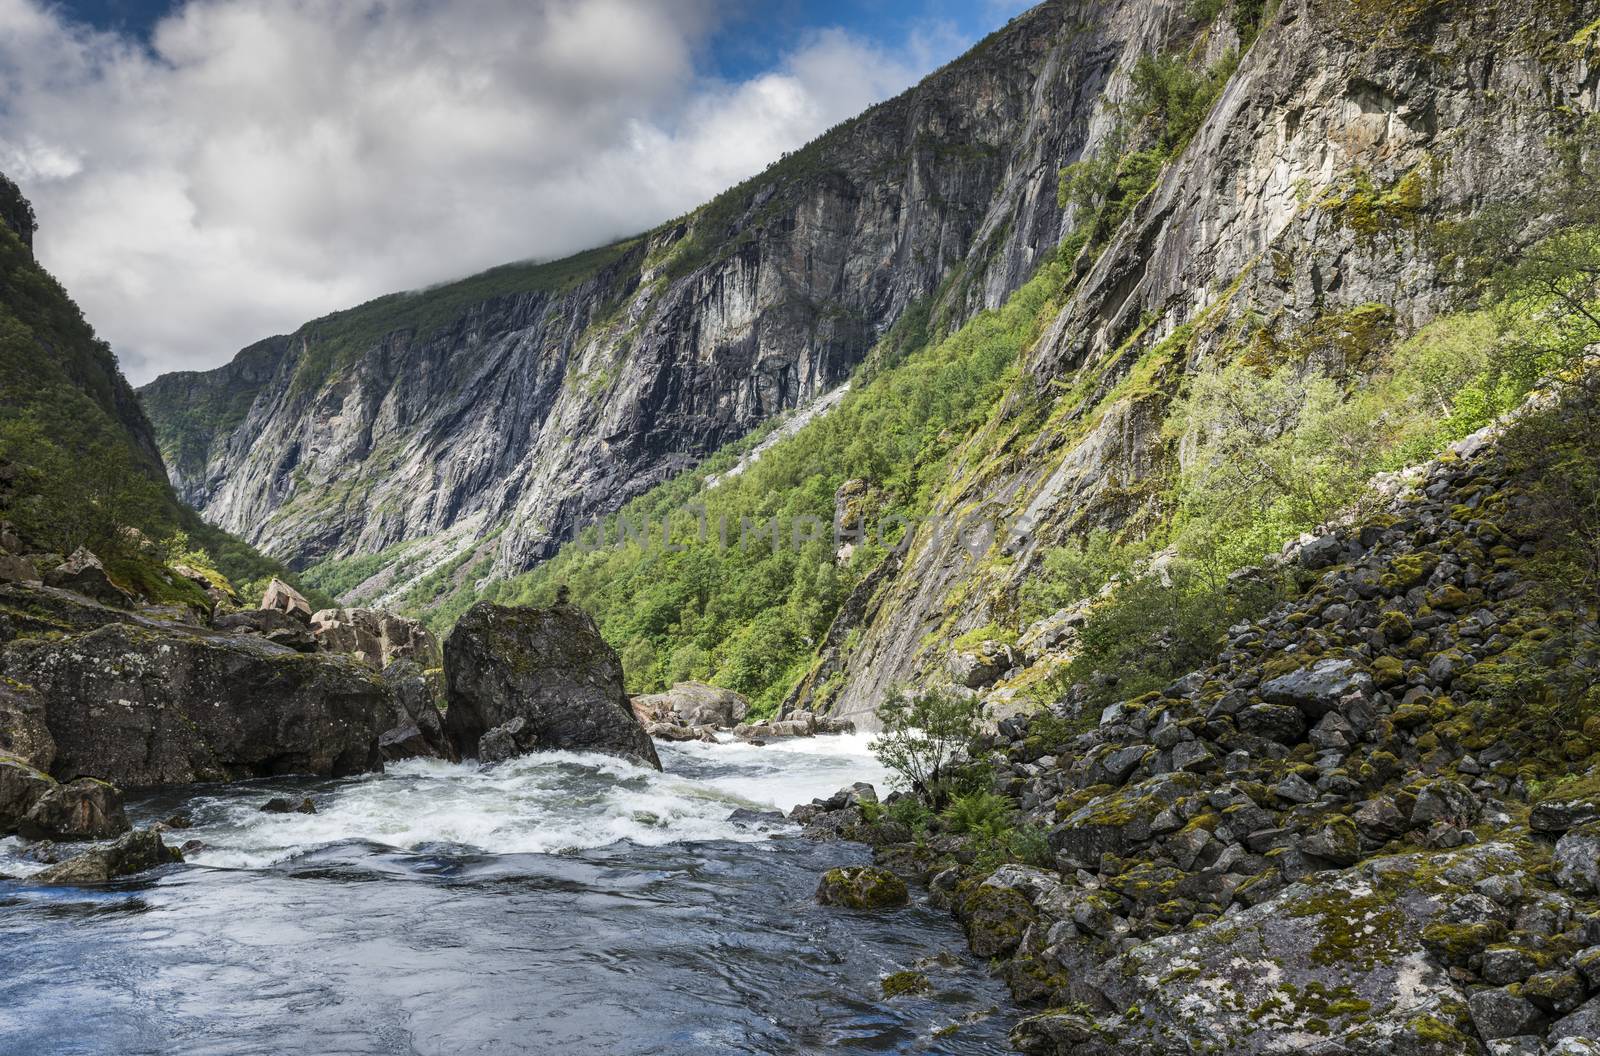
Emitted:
pixel 924 736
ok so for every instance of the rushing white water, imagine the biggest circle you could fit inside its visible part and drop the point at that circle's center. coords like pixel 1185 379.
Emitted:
pixel 555 903
pixel 545 803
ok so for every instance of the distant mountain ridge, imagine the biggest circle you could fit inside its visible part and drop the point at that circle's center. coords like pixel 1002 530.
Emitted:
pixel 478 423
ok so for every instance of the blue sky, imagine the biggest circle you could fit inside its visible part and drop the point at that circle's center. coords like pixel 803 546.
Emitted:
pixel 752 38
pixel 212 172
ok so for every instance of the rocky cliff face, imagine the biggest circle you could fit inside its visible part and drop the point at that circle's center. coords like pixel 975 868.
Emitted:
pixel 1305 196
pixel 497 414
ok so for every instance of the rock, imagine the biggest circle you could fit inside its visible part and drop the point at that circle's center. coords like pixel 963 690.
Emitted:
pixel 271 624
pixel 21 786
pixel 416 725
pixel 746 818
pixel 1498 1013
pixel 136 852
pixel 217 588
pixel 24 733
pixel 980 667
pixel 144 706
pixel 14 569
pixel 1445 801
pixel 84 809
pixel 549 667
pixel 378 639
pixel 1321 552
pixel 693 704
pixel 1583 1024
pixel 1054 1033
pixel 996 919
pixel 1557 816
pixel 852 796
pixel 1319 688
pixel 1335 840
pixel 1577 859
pixel 83 573
pixel 1351 939
pixel 501 743
pixel 863 887
pixel 285 805
pixel 1275 722
pixel 281 597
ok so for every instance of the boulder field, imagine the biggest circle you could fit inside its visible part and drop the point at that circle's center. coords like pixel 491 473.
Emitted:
pixel 1345 836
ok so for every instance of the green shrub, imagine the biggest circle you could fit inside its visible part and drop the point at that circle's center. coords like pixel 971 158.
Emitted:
pixel 925 736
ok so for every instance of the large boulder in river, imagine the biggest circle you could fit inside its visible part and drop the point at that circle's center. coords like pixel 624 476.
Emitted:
pixel 693 704
pixel 416 727
pixel 134 853
pixel 144 705
pixel 378 638
pixel 548 667
pixel 85 809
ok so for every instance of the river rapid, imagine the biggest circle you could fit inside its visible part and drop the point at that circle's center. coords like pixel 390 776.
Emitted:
pixel 558 903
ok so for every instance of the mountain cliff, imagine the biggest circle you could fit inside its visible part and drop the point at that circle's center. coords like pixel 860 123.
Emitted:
pixel 486 419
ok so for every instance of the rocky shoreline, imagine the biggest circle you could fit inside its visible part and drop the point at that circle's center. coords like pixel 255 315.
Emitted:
pixel 1327 842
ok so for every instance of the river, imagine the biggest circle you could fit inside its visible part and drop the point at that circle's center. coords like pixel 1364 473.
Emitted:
pixel 559 903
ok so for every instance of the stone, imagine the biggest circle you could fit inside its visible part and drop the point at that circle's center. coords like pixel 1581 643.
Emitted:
pixel 1275 722
pixel 416 726
pixel 1498 1013
pixel 24 731
pixel 853 795
pixel 281 597
pixel 996 918
pixel 21 786
pixel 286 805
pixel 272 624
pixel 1445 801
pixel 377 638
pixel 501 743
pixel 84 809
pixel 549 667
pixel 693 704
pixel 1348 934
pixel 136 852
pixel 1557 816
pixel 83 573
pixel 1335 840
pixel 145 706
pixel 1577 859
pixel 862 887
pixel 1318 688
pixel 14 569
pixel 1583 1024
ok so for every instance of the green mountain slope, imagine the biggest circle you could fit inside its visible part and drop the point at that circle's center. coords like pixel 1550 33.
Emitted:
pixel 84 460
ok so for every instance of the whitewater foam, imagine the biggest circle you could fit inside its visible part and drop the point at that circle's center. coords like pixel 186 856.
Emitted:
pixel 544 803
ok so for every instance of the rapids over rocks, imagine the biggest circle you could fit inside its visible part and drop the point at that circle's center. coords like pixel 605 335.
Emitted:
pixel 561 902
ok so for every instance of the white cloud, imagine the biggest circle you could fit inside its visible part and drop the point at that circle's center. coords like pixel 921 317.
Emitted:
pixel 262 162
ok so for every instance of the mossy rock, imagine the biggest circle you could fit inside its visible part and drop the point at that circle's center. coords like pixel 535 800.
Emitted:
pixel 995 919
pixel 901 984
pixel 862 887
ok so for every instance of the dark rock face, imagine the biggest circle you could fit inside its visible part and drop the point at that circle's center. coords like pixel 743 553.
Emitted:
pixel 548 667
pixel 271 624
pixel 145 705
pixel 416 728
pixel 85 809
pixel 24 734
pixel 21 786
pixel 136 852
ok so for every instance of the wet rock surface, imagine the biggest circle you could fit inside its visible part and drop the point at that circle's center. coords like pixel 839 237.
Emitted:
pixel 538 679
